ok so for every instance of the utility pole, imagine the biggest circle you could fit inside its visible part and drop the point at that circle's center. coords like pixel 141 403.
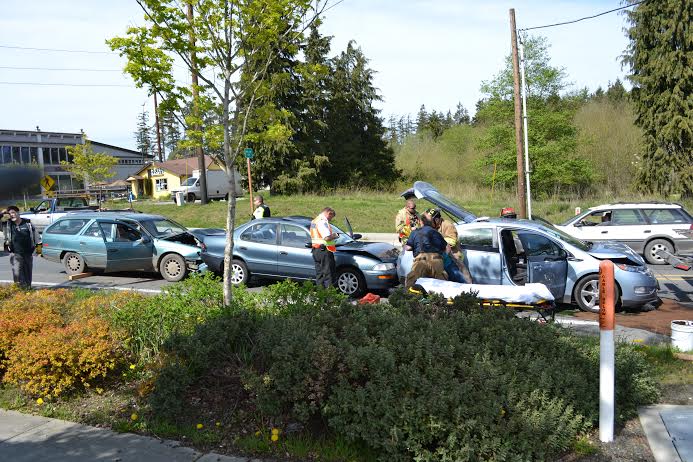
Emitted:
pixel 518 119
pixel 196 108
pixel 158 131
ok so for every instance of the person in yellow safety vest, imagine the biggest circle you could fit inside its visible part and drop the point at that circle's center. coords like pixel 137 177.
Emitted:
pixel 261 210
pixel 449 232
pixel 406 221
pixel 322 239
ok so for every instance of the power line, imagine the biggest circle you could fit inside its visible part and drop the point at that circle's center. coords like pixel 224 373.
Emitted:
pixel 60 69
pixel 62 50
pixel 66 84
pixel 582 19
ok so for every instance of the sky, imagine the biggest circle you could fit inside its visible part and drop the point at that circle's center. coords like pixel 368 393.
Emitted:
pixel 431 52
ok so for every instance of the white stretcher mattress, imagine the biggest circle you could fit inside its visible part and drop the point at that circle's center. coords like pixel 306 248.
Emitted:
pixel 529 294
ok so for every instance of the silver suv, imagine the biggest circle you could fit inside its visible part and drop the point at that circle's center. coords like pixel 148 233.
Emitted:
pixel 647 228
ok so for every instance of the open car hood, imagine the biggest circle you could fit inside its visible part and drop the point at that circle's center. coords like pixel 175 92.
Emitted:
pixel 426 191
pixel 614 251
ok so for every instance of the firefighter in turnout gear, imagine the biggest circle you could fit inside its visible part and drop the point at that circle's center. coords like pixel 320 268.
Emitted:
pixel 406 221
pixel 428 247
pixel 323 242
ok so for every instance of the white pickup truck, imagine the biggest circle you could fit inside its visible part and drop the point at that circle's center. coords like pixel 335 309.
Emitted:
pixel 50 210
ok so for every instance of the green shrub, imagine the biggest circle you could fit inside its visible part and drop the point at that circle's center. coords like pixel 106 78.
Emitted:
pixel 415 379
pixel 149 321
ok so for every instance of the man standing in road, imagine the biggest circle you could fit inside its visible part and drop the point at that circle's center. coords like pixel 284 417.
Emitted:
pixel 406 221
pixel 323 241
pixel 261 210
pixel 21 241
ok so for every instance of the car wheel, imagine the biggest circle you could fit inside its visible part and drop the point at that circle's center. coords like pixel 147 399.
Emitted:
pixel 351 282
pixel 655 246
pixel 173 268
pixel 239 272
pixel 190 198
pixel 586 294
pixel 74 263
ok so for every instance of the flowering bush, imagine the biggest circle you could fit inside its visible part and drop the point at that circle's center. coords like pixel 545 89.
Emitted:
pixel 59 359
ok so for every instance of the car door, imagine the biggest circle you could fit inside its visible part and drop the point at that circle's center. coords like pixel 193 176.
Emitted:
pixel 127 249
pixel 257 245
pixel 481 254
pixel 547 261
pixel 628 226
pixel 593 227
pixel 42 216
pixel 294 259
pixel 92 246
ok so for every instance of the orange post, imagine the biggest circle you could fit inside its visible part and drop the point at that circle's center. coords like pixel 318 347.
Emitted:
pixel 607 353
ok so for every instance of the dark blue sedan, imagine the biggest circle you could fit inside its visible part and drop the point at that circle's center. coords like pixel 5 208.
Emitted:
pixel 279 248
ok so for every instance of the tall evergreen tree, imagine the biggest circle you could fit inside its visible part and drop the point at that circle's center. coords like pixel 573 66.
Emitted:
pixel 143 134
pixel 421 119
pixel 660 56
pixel 357 150
pixel 461 115
pixel 171 133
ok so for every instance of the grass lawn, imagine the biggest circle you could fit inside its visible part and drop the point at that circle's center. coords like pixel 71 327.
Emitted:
pixel 367 211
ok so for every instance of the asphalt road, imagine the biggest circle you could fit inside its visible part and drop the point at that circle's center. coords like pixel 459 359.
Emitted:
pixel 675 284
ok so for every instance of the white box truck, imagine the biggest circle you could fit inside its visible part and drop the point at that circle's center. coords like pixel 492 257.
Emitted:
pixel 217 186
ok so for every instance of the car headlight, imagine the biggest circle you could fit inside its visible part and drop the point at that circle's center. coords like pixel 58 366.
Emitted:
pixel 630 268
pixel 384 267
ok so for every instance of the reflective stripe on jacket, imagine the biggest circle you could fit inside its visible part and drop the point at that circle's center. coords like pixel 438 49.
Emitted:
pixel 316 238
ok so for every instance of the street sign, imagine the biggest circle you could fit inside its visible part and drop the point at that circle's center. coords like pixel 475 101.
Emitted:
pixel 47 182
pixel 248 153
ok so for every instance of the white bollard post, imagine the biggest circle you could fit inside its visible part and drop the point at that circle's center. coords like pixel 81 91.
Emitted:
pixel 607 366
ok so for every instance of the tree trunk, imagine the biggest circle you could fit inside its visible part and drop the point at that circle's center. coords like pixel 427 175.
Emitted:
pixel 231 216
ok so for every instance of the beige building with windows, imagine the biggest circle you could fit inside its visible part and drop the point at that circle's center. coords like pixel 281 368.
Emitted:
pixel 158 179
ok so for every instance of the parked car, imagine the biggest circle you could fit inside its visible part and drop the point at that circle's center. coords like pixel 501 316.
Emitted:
pixel 646 228
pixel 279 248
pixel 515 252
pixel 117 241
pixel 51 210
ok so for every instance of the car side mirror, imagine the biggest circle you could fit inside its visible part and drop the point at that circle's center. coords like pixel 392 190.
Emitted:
pixel 145 239
pixel 357 236
pixel 308 245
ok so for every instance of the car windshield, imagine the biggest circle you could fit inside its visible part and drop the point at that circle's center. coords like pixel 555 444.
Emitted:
pixel 565 237
pixel 343 237
pixel 162 227
pixel 189 182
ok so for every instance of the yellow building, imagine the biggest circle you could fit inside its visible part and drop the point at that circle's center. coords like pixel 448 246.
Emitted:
pixel 158 179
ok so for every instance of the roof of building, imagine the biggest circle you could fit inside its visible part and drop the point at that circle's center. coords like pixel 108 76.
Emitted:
pixel 132 151
pixel 179 167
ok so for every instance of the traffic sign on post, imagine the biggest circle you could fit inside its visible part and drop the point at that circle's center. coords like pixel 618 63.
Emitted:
pixel 248 152
pixel 47 182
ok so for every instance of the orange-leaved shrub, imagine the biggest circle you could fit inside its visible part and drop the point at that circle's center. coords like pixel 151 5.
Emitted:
pixel 17 319
pixel 8 290
pixel 56 359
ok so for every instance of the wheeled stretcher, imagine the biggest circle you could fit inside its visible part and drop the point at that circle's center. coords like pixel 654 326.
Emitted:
pixel 536 297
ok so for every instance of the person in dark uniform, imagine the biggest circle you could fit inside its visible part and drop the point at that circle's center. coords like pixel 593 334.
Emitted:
pixel 261 210
pixel 21 241
pixel 428 246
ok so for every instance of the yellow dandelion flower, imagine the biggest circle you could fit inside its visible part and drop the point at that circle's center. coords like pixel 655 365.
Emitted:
pixel 199 426
pixel 266 379
pixel 218 424
pixel 132 366
pixel 39 401
pixel 638 340
pixel 133 416
pixel 275 437
pixel 99 390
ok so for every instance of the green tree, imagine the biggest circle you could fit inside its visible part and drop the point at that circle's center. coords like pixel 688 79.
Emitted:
pixel 88 166
pixel 355 140
pixel 225 36
pixel 554 165
pixel 660 57
pixel 461 115
pixel 143 135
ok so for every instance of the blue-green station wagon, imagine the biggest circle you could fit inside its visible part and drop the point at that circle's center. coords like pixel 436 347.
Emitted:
pixel 122 241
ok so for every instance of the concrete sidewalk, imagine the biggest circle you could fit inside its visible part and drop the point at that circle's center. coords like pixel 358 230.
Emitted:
pixel 29 438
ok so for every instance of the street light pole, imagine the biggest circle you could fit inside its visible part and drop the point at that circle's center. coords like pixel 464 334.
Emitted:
pixel 524 127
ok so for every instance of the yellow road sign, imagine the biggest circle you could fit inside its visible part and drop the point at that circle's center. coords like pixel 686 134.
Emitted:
pixel 47 182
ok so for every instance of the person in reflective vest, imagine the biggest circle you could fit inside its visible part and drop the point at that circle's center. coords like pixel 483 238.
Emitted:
pixel 406 221
pixel 323 242
pixel 261 210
